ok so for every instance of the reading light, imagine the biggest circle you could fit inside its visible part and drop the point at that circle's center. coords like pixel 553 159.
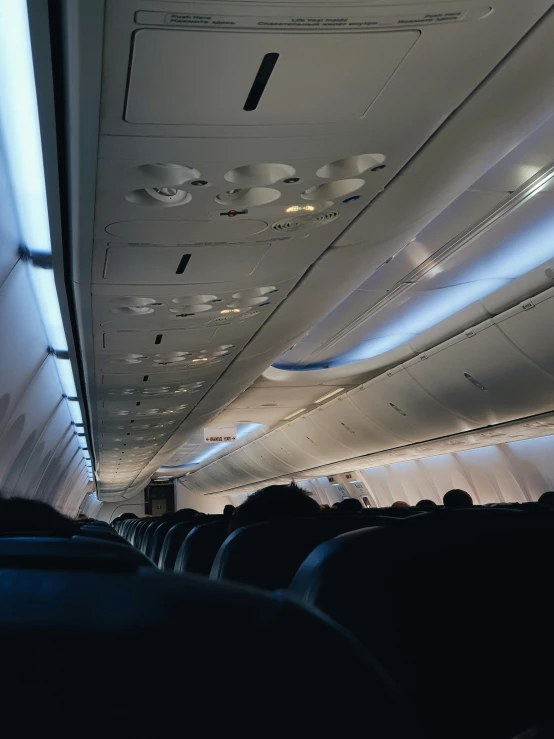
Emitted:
pixel 300 209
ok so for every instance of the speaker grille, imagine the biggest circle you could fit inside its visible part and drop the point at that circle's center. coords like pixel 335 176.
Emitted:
pixel 305 222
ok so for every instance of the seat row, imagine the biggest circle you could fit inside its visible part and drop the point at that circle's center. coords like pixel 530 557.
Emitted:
pixel 454 604
pixel 88 623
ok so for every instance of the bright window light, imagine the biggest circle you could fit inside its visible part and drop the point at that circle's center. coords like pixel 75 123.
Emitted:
pixel 47 298
pixel 329 395
pixel 20 128
pixel 66 377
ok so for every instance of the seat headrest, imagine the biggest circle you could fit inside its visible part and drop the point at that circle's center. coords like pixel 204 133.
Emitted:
pixel 268 554
pixel 73 637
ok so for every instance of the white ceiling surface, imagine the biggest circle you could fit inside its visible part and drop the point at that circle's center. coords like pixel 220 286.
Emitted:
pixel 154 113
pixel 345 327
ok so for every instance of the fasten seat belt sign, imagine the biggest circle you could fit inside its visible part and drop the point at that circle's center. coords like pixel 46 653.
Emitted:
pixel 218 434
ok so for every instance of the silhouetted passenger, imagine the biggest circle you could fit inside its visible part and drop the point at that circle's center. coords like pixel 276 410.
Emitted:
pixel 228 510
pixel 126 516
pixel 547 498
pixel 457 499
pixel 400 504
pixel 273 503
pixel 32 516
pixel 426 504
pixel 183 514
pixel 350 505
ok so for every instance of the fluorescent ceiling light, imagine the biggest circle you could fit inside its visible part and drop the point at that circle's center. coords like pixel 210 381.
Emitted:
pixel 329 395
pixel 20 140
pixel 243 430
pixel 66 377
pixel 292 415
pixel 46 295
pixel 75 411
pixel 20 127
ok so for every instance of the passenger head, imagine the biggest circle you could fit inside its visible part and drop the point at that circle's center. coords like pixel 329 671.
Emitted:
pixel 273 503
pixel 350 505
pixel 426 504
pixel 457 499
pixel 127 516
pixel 22 515
pixel 400 504
pixel 547 498
pixel 228 510
pixel 183 514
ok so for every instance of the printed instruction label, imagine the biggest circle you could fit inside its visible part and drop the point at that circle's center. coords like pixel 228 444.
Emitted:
pixel 306 23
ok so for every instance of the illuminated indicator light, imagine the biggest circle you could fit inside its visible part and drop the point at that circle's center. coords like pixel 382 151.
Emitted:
pixel 202 359
pixel 300 209
pixel 229 310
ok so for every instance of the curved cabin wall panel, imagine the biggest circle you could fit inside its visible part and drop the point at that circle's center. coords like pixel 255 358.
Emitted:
pixel 34 417
pixel 484 377
pixel 500 384
pixel 355 431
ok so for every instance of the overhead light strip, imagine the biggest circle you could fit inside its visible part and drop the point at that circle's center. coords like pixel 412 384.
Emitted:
pixel 329 395
pixel 22 146
pixel 292 415
pixel 509 204
pixel 21 127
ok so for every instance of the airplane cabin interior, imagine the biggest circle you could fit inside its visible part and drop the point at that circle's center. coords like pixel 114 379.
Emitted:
pixel 277 367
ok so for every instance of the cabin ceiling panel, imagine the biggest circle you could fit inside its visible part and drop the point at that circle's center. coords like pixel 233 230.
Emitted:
pixel 266 416
pixel 536 345
pixel 522 163
pixel 477 376
pixel 495 33
pixel 201 192
pixel 283 397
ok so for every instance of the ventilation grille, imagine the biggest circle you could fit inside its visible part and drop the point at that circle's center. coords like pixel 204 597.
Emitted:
pixel 303 223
